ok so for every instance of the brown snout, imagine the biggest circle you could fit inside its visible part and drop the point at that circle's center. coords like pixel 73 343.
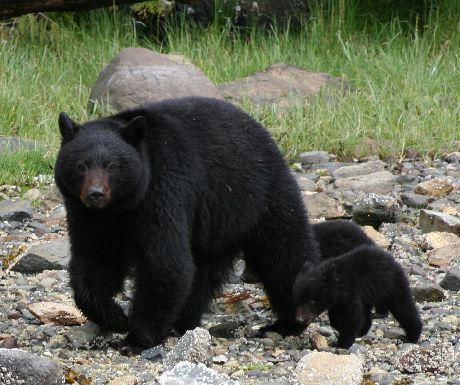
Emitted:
pixel 304 315
pixel 95 192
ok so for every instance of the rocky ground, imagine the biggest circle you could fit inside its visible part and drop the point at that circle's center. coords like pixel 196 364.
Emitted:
pixel 410 207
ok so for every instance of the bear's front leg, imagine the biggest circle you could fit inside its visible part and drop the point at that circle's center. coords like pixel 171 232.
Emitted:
pixel 94 286
pixel 347 319
pixel 163 283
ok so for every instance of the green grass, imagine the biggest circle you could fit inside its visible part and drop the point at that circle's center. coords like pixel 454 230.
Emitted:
pixel 407 77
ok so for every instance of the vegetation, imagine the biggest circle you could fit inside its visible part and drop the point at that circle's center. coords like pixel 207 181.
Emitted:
pixel 406 74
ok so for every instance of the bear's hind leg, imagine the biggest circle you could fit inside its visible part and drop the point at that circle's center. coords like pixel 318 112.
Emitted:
pixel 275 253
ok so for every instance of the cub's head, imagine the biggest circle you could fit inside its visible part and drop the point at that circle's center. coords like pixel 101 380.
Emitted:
pixel 101 162
pixel 314 291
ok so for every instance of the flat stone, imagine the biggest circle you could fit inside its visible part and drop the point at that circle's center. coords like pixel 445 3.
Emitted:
pixel 414 200
pixel 444 256
pixel 437 187
pixel 139 75
pixel 382 182
pixel 21 367
pixel 322 205
pixel 435 221
pixel 313 157
pixel 188 373
pixel 379 239
pixel 56 313
pixel 15 210
pixel 53 255
pixel 428 293
pixel 225 330
pixel 329 369
pixel 194 346
pixel 437 239
pixel 125 380
pixel 451 280
pixel 305 184
pixel 283 85
pixel 359 169
pixel 82 337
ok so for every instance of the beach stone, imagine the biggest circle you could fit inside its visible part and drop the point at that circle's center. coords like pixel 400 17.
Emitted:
pixel 414 200
pixel 283 85
pixel 125 380
pixel 225 330
pixel 194 346
pixel 321 205
pixel 444 256
pixel 374 209
pixel 382 182
pixel 451 280
pixel 434 359
pixel 366 168
pixel 313 157
pixel 53 255
pixel 18 367
pixel 437 239
pixel 437 187
pixel 428 293
pixel 15 210
pixel 138 75
pixel 188 373
pixel 328 369
pixel 56 313
pixel 430 220
pixel 377 237
pixel 318 341
pixel 82 337
pixel 305 184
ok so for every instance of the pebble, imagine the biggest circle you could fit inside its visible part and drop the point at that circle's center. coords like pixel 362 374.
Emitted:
pixel 232 351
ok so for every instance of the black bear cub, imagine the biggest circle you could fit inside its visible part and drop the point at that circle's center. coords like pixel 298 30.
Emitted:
pixel 349 286
pixel 175 190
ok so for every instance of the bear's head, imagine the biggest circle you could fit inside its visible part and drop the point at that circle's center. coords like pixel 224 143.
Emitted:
pixel 101 163
pixel 314 291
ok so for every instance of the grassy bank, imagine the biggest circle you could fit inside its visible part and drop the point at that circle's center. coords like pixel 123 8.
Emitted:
pixel 407 77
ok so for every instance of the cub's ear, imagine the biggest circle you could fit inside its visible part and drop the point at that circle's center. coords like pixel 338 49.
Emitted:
pixel 67 127
pixel 134 131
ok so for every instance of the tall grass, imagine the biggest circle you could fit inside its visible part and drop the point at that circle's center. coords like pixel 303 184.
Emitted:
pixel 406 75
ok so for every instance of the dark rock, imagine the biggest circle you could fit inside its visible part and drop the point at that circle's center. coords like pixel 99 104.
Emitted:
pixel 84 336
pixel 414 200
pixel 451 280
pixel 225 330
pixel 15 210
pixel 436 221
pixel 375 209
pixel 155 354
pixel 52 255
pixel 428 293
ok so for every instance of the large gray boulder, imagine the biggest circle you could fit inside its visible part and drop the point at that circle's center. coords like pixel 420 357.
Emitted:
pixel 21 367
pixel 139 75
pixel 284 85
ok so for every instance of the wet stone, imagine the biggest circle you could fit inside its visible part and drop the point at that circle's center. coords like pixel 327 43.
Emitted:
pixel 451 281
pixel 15 210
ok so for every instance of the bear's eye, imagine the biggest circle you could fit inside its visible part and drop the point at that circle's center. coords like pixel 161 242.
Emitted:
pixel 81 167
pixel 112 167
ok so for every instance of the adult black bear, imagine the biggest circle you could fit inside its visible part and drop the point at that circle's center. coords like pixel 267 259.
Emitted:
pixel 349 286
pixel 176 189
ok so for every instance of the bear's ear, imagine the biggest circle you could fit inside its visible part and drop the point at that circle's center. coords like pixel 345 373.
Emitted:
pixel 67 127
pixel 134 131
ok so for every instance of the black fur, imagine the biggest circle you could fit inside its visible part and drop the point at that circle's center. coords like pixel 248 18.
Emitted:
pixel 349 286
pixel 176 189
